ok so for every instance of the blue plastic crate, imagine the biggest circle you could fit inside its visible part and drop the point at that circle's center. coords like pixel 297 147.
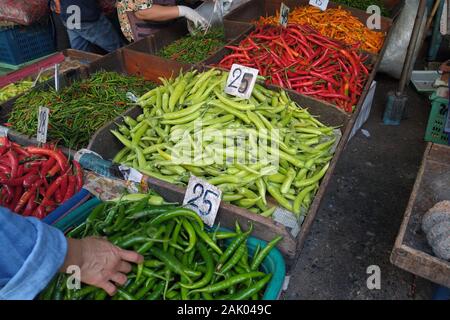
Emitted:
pixel 20 44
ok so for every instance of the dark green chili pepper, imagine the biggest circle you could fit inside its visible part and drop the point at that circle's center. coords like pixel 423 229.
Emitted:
pixel 232 281
pixel 191 233
pixel 148 245
pixel 77 231
pixel 91 218
pixel 235 258
pixel 169 228
pixel 259 258
pixel 189 214
pixel 254 289
pixel 125 295
pixel 171 262
pixel 234 245
pixel 145 289
pixel 207 257
pixel 80 294
pixel 206 239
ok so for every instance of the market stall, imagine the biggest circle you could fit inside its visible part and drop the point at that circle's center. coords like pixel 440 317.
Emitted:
pixel 256 111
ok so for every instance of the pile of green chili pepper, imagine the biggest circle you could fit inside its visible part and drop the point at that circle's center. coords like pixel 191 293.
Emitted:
pixel 194 48
pixel 185 114
pixel 183 261
pixel 14 89
pixel 77 111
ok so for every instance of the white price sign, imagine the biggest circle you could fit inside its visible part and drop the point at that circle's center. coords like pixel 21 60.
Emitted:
pixel 43 114
pixel 3 131
pixel 203 198
pixel 241 81
pixel 321 4
pixel 284 15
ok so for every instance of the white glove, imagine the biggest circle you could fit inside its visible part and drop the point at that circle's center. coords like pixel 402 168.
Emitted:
pixel 193 16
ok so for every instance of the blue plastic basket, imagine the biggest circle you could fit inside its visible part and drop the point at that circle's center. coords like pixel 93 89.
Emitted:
pixel 273 263
pixel 20 44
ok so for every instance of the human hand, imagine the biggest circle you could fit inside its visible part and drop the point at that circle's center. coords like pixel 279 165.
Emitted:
pixel 102 264
pixel 193 16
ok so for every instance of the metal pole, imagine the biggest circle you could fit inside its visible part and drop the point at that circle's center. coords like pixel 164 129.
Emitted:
pixel 412 47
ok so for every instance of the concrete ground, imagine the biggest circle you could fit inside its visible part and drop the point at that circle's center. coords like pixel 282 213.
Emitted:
pixel 361 213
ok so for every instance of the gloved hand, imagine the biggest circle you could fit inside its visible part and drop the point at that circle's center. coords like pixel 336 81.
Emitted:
pixel 193 16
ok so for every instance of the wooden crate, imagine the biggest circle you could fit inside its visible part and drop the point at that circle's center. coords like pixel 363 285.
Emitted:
pixel 155 43
pixel 151 67
pixel 411 251
pixel 254 9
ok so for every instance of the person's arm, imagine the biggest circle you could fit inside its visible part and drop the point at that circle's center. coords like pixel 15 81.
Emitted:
pixel 32 252
pixel 158 13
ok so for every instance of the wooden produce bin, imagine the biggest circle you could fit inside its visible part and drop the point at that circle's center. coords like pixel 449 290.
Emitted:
pixel 151 67
pixel 73 64
pixel 412 251
pixel 155 43
pixel 254 9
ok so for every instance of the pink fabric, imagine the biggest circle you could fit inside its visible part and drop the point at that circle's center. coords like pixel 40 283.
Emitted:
pixel 23 12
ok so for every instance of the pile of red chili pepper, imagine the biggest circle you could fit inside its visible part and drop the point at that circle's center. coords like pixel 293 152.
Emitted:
pixel 299 58
pixel 34 181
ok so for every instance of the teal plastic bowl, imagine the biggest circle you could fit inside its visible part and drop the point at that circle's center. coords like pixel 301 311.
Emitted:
pixel 273 263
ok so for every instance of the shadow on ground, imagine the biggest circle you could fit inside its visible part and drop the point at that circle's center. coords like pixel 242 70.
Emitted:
pixel 360 215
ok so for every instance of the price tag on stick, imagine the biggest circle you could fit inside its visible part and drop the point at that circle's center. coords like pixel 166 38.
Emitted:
pixel 203 198
pixel 241 81
pixel 57 79
pixel 284 15
pixel 321 4
pixel 42 124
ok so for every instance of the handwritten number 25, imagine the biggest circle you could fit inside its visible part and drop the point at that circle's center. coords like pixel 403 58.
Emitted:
pixel 205 195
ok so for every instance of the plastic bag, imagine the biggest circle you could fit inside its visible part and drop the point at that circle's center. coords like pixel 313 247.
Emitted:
pixel 212 11
pixel 395 55
pixel 23 12
pixel 230 5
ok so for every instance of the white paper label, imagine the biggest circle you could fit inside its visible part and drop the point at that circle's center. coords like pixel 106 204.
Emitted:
pixel 42 124
pixel 241 81
pixel 3 131
pixel 132 97
pixel 321 4
pixel 131 174
pixel 203 198
pixel 284 15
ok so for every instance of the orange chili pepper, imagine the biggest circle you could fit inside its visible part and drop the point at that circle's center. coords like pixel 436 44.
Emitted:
pixel 336 23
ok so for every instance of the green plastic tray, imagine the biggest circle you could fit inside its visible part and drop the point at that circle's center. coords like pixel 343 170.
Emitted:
pixel 436 122
pixel 274 262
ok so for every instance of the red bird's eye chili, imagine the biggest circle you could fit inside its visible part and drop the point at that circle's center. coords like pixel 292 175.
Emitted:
pixel 60 159
pixel 332 71
pixel 32 179
pixel 79 175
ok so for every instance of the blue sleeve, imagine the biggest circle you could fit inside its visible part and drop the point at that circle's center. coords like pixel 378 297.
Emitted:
pixel 31 253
